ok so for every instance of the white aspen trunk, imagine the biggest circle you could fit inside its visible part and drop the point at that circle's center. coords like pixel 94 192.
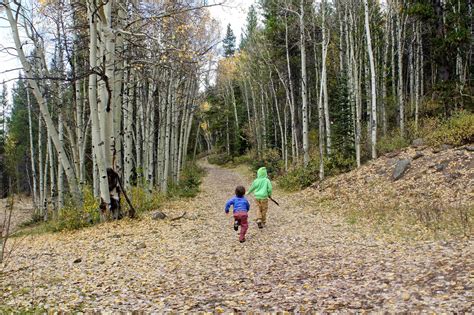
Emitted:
pixel 422 76
pixel 52 186
pixel 227 135
pixel 188 133
pixel 95 172
pixel 41 203
pixel 321 130
pixel 60 172
pixel 234 104
pixel 384 84
pixel 148 125
pixel 294 137
pixel 393 66
pixel 60 200
pixel 373 115
pixel 325 45
pixel 280 126
pixel 417 74
pixel 98 146
pixel 150 139
pixel 174 132
pixel 45 184
pixel 304 91
pixel 246 95
pixel 257 128
pixel 341 40
pixel 411 74
pixel 350 77
pixel 161 136
pixel 63 158
pixel 119 86
pixel 106 108
pixel 263 118
pixel 128 128
pixel 189 125
pixel 79 104
pixel 32 151
pixel 356 89
pixel 164 182
pixel 401 104
pixel 183 128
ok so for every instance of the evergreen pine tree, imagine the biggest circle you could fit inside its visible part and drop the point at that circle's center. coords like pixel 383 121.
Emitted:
pixel 229 42
pixel 250 28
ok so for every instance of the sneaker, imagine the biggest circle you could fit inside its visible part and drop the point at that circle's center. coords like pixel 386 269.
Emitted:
pixel 260 225
pixel 242 240
pixel 236 225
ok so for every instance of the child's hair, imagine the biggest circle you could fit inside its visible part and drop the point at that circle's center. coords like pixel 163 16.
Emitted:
pixel 240 191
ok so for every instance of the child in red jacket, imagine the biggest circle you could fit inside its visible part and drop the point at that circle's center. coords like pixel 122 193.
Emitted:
pixel 241 209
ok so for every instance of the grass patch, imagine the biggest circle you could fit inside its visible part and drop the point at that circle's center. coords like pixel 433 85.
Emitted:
pixel 189 182
pixel 72 218
pixel 405 221
pixel 299 177
pixel 457 130
pixel 225 160
pixel 391 142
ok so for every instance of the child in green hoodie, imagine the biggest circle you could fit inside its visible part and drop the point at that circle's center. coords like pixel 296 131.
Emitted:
pixel 262 189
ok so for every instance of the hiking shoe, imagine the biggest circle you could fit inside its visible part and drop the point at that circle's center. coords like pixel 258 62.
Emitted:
pixel 236 225
pixel 260 225
pixel 242 240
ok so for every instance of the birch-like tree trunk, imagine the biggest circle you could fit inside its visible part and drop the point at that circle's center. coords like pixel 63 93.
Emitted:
pixel 304 86
pixel 63 158
pixel 401 102
pixel 32 151
pixel 325 45
pixel 98 146
pixel 373 124
pixel 294 138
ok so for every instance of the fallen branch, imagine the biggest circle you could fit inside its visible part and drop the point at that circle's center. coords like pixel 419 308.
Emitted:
pixel 180 217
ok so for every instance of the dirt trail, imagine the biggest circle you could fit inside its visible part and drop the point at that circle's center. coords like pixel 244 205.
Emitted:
pixel 299 262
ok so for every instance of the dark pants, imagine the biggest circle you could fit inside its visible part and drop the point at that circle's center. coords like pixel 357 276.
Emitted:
pixel 242 218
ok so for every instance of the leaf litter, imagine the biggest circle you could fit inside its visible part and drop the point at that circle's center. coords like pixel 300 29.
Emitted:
pixel 301 261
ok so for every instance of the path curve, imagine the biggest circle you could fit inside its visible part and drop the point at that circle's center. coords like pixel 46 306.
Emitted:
pixel 299 262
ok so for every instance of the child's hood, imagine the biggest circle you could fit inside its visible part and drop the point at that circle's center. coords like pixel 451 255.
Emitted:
pixel 262 172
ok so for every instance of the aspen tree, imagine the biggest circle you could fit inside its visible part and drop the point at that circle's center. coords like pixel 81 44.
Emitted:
pixel 373 116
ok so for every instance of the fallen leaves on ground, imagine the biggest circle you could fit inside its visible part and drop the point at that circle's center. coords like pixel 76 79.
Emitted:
pixel 301 261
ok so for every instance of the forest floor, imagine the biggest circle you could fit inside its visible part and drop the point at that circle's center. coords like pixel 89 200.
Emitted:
pixel 302 260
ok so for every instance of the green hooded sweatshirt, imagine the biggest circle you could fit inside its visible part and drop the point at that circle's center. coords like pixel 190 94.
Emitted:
pixel 261 186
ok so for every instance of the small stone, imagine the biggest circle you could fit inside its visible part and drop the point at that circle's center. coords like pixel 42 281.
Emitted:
pixel 418 154
pixel 441 166
pixel 406 296
pixel 77 260
pixel 392 154
pixel 158 215
pixel 446 147
pixel 194 217
pixel 141 245
pixel 418 142
pixel 436 150
pixel 470 148
pixel 400 169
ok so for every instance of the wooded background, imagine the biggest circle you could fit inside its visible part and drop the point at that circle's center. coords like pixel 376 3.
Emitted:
pixel 139 87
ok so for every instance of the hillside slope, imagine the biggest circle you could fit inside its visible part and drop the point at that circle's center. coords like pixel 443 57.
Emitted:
pixel 433 194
